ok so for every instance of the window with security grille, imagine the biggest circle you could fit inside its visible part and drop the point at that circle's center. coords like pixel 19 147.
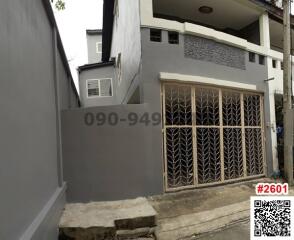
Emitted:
pixel 173 37
pixel 211 135
pixel 99 87
pixel 252 57
pixel 155 35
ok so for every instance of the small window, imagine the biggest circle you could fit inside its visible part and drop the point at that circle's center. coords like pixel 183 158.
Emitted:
pixel 99 87
pixel 93 88
pixel 119 68
pixel 274 63
pixel 261 60
pixel 98 47
pixel 173 37
pixel 155 35
pixel 282 65
pixel 251 57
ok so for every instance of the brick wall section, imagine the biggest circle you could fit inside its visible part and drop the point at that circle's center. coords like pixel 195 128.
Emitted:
pixel 211 51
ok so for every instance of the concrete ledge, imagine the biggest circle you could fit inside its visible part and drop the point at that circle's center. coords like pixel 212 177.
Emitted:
pixel 45 225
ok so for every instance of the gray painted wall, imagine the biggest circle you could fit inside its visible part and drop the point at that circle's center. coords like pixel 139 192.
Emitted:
pixel 164 57
pixel 127 41
pixel 97 73
pixel 110 162
pixel 93 56
pixel 31 196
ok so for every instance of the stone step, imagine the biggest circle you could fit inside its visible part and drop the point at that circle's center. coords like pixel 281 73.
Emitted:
pixel 102 220
pixel 183 226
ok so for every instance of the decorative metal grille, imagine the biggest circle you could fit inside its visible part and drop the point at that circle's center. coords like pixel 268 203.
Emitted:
pixel 179 157
pixel 207 107
pixel 231 108
pixel 252 110
pixel 178 105
pixel 211 135
pixel 208 155
pixel 254 151
pixel 233 154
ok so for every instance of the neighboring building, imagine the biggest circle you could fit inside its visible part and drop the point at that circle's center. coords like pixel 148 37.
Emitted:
pixel 213 70
pixel 94 43
pixel 96 79
pixel 36 85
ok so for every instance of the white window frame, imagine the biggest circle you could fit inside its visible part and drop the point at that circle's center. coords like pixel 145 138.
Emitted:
pixel 99 85
pixel 97 47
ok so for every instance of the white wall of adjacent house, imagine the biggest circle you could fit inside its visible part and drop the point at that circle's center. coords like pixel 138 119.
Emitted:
pixel 265 42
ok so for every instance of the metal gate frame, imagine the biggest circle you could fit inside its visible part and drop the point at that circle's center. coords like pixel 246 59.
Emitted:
pixel 221 128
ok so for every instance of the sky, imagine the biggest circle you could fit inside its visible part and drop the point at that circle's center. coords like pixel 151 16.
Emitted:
pixel 72 23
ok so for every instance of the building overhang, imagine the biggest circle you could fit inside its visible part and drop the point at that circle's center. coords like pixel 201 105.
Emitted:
pixel 94 31
pixel 95 66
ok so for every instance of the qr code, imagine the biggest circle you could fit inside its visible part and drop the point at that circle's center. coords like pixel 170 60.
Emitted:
pixel 272 218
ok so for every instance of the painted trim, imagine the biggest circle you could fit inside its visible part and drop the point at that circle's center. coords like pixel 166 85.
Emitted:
pixel 45 212
pixel 205 80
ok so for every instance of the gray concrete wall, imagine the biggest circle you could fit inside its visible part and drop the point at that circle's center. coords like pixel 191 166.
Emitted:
pixel 31 195
pixel 110 162
pixel 93 56
pixel 68 97
pixel 127 41
pixel 163 57
pixel 97 73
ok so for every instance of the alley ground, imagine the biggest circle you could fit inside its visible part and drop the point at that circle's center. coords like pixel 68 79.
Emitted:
pixel 239 231
pixel 213 213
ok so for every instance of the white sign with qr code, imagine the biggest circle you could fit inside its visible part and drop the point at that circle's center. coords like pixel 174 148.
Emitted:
pixel 272 218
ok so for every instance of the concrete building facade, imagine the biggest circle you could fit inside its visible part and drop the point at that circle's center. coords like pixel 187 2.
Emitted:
pixel 212 70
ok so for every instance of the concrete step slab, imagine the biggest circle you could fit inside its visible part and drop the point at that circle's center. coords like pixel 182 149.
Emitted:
pixel 101 220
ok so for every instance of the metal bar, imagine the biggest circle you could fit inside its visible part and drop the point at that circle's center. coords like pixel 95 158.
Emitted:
pixel 236 180
pixel 221 135
pixel 243 135
pixel 164 138
pixel 263 135
pixel 194 137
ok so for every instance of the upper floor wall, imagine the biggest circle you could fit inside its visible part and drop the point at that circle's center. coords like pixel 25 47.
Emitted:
pixel 126 47
pixel 94 44
pixel 237 23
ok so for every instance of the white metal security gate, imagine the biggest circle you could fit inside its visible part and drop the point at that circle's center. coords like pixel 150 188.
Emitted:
pixel 211 135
